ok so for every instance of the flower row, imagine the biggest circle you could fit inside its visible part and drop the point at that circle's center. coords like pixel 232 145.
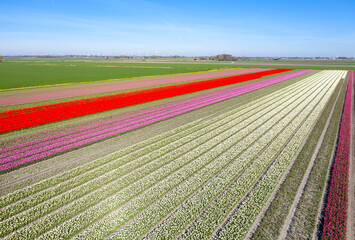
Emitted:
pixel 335 218
pixel 26 149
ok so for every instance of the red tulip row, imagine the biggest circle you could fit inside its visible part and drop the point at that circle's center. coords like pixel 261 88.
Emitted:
pixel 28 117
pixel 335 218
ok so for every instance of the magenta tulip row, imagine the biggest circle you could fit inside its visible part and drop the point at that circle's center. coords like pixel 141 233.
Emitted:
pixel 41 148
pixel 335 218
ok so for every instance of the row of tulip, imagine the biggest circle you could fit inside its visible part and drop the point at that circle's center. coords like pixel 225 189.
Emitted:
pixel 108 127
pixel 77 138
pixel 35 213
pixel 335 216
pixel 120 181
pixel 239 223
pixel 274 216
pixel 219 207
pixel 28 117
pixel 130 209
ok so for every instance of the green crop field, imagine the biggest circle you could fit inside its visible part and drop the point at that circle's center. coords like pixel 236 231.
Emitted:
pixel 25 73
pixel 28 72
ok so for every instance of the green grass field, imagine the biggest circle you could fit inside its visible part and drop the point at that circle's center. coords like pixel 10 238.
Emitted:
pixel 27 72
pixel 17 74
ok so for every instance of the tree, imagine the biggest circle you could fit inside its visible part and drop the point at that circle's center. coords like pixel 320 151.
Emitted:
pixel 1 58
pixel 224 57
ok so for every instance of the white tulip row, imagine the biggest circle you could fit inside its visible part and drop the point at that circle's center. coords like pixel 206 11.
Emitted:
pixel 238 225
pixel 208 158
pixel 58 201
pixel 99 229
pixel 242 185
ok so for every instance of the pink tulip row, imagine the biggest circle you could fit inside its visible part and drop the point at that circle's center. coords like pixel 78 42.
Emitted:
pixel 335 218
pixel 41 148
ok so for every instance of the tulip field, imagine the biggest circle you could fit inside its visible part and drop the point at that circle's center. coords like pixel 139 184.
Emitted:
pixel 234 154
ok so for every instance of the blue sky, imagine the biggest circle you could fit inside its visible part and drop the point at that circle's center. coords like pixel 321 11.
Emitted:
pixel 192 28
